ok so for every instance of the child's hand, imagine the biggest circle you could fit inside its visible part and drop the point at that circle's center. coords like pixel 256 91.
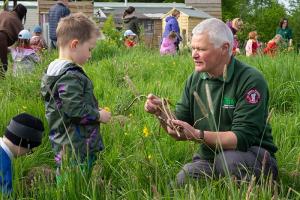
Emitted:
pixel 104 116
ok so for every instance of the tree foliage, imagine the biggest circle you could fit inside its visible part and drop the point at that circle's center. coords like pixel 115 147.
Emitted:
pixel 260 15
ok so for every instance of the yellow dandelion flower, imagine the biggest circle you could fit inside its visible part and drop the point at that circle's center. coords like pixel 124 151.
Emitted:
pixel 149 156
pixel 107 109
pixel 146 131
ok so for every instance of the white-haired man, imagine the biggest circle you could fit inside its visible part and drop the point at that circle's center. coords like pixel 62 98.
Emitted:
pixel 224 107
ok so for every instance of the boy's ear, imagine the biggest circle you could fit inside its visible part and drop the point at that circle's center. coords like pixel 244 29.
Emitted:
pixel 74 43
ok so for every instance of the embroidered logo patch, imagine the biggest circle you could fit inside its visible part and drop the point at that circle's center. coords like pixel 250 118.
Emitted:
pixel 228 103
pixel 253 96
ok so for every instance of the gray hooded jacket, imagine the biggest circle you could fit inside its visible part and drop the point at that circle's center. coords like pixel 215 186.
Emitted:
pixel 71 110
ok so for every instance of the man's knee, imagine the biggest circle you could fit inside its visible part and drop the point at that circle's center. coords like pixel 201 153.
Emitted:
pixel 228 163
pixel 194 170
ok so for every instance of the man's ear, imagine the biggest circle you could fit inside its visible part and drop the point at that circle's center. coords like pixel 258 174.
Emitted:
pixel 225 48
pixel 74 43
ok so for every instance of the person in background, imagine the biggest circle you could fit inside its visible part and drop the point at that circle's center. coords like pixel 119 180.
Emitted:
pixel 235 25
pixel 252 44
pixel 172 25
pixel 37 42
pixel 130 21
pixel 285 32
pixel 10 26
pixel 224 108
pixel 56 12
pixel 24 57
pixel 71 107
pixel 23 133
pixel 129 38
pixel 273 45
pixel 167 46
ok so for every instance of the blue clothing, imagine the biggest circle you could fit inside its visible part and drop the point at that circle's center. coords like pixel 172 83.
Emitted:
pixel 56 12
pixel 172 25
pixel 5 169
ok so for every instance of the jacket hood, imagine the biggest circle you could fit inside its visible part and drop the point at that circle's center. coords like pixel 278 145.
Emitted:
pixel 53 73
pixel 128 18
pixel 169 18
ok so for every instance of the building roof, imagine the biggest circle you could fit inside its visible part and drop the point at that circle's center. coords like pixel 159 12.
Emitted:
pixel 151 10
pixel 143 10
pixel 195 13
pixel 27 4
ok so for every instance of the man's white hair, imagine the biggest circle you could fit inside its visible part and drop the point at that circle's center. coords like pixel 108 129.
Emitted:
pixel 218 32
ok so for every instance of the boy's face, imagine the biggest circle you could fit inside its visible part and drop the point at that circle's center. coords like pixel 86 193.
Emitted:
pixel 82 51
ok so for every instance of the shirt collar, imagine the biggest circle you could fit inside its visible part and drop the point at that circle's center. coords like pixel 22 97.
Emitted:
pixel 230 70
pixel 6 149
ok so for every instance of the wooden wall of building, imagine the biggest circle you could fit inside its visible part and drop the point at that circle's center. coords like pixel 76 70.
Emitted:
pixel 152 40
pixel 212 7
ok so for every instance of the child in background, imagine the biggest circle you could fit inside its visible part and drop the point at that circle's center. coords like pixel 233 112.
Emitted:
pixel 37 41
pixel 168 46
pixel 252 44
pixel 272 45
pixel 130 38
pixel 72 109
pixel 23 133
pixel 23 55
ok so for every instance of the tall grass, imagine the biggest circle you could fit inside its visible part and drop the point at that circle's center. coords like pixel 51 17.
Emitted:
pixel 139 166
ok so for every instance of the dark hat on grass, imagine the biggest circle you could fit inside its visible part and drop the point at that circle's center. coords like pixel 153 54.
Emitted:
pixel 25 130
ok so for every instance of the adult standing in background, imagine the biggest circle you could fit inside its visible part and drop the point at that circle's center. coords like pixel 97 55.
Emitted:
pixel 130 21
pixel 172 25
pixel 235 25
pixel 10 26
pixel 285 31
pixel 57 11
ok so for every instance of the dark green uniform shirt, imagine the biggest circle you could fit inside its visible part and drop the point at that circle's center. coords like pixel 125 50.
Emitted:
pixel 240 105
pixel 285 33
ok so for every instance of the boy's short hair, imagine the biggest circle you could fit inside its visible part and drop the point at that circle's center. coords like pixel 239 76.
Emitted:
pixel 25 130
pixel 75 26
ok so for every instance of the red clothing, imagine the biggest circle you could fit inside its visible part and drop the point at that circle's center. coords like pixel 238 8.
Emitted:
pixel 254 47
pixel 271 48
pixel 129 43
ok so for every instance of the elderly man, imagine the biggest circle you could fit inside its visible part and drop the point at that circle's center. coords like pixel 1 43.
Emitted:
pixel 224 107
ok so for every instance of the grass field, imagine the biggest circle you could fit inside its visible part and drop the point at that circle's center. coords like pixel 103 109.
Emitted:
pixel 140 160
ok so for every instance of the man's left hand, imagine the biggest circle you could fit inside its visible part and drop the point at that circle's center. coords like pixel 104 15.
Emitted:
pixel 184 131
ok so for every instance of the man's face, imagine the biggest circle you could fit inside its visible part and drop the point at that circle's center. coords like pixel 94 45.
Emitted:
pixel 205 55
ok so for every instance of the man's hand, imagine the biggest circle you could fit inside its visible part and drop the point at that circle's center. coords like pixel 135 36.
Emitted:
pixel 104 116
pixel 184 131
pixel 153 104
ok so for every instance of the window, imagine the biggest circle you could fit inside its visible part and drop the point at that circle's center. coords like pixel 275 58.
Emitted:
pixel 148 26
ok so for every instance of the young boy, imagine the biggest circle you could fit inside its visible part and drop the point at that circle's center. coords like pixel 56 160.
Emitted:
pixel 71 108
pixel 23 133
pixel 129 39
pixel 273 45
pixel 37 42
pixel 25 58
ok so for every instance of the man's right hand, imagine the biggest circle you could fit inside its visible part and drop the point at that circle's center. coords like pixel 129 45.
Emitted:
pixel 153 104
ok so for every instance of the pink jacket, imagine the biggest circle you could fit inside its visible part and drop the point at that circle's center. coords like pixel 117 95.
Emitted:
pixel 167 47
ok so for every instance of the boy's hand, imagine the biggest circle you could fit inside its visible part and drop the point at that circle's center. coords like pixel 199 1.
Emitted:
pixel 104 116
